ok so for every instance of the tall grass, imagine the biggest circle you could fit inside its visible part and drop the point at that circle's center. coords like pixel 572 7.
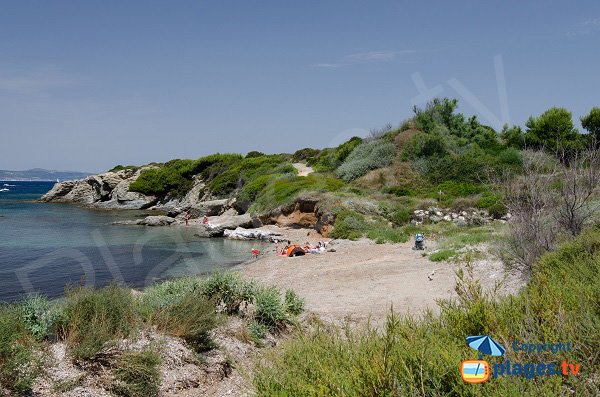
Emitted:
pixel 191 318
pixel 93 318
pixel 20 362
pixel 422 357
pixel 137 374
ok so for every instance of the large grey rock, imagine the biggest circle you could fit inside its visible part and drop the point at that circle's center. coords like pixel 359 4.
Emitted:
pixel 231 221
pixel 251 234
pixel 156 220
pixel 58 191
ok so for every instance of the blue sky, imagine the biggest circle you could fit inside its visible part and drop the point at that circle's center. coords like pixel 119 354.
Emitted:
pixel 85 85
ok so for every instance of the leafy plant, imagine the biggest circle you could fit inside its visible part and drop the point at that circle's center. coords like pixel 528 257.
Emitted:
pixel 293 303
pixel 366 157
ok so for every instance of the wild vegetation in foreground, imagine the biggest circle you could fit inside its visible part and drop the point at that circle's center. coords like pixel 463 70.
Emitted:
pixel 94 322
pixel 411 357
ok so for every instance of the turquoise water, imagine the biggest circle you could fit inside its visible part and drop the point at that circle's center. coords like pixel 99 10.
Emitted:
pixel 44 247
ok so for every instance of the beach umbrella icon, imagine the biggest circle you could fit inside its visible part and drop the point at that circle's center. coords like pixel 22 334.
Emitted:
pixel 485 345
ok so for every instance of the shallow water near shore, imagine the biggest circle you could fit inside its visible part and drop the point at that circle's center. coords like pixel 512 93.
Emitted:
pixel 45 247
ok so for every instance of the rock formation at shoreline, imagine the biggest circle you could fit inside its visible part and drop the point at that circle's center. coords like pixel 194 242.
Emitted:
pixel 110 190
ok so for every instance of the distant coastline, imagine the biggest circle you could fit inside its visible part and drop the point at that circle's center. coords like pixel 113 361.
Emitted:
pixel 41 175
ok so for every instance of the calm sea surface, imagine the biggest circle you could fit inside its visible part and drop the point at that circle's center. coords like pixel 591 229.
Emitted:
pixel 44 247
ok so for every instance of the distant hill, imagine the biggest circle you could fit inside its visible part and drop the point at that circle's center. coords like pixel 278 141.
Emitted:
pixel 39 174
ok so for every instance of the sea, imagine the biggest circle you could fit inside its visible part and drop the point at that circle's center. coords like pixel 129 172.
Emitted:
pixel 47 247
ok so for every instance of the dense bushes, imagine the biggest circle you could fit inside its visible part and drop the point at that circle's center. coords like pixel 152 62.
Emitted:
pixel 422 357
pixel 331 158
pixel 365 157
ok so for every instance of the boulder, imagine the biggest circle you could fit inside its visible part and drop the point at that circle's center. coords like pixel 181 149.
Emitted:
pixel 251 234
pixel 206 208
pixel 58 191
pixel 156 220
pixel 231 221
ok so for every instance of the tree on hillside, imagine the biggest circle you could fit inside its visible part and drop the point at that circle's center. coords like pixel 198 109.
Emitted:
pixel 513 136
pixel 552 130
pixel 591 123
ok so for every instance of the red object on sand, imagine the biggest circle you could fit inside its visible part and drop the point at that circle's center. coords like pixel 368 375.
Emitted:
pixel 255 251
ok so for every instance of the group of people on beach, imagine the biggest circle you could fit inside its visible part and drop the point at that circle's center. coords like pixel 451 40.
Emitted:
pixel 307 247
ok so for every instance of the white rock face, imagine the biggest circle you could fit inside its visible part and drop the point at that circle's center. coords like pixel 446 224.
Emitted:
pixel 251 234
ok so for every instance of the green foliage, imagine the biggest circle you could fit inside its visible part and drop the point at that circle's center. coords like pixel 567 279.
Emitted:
pixel 331 158
pixel 175 176
pixel 283 189
pixel 449 190
pixel 20 363
pixel 399 191
pixel 421 357
pixel 246 171
pixel 137 374
pixel 425 145
pixel 229 290
pixel 442 255
pixel 349 225
pixel 269 309
pixel 254 153
pixel 123 167
pixel 591 122
pixel 38 315
pixel 513 136
pixel 257 331
pixel 552 130
pixel 93 318
pixel 192 318
pixel 366 157
pixel 382 234
pixel 166 293
pixel 493 204
pixel 293 303
pixel 305 154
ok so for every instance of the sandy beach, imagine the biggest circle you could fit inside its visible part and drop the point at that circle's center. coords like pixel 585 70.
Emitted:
pixel 361 280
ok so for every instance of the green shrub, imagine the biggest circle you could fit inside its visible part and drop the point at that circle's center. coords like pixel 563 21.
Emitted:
pixel 166 293
pixel 305 154
pixel 191 318
pixel 269 310
pixel 257 331
pixel 331 158
pixel 442 255
pixel 20 363
pixel 254 153
pixel 294 305
pixel 229 290
pixel 349 225
pixel 123 167
pixel 399 191
pixel 137 374
pixel 284 189
pixel 366 157
pixel 93 318
pixel 39 315
pixel 493 204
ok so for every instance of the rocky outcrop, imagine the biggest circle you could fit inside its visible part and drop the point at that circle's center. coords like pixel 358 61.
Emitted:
pixel 157 220
pixel 227 221
pixel 107 190
pixel 462 218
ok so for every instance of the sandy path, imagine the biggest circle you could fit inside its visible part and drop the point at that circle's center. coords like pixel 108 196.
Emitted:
pixel 361 279
pixel 303 169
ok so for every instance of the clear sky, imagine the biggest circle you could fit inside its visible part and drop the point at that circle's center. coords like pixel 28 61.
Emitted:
pixel 85 85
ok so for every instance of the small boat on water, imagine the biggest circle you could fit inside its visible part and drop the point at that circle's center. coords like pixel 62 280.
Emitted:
pixel 4 190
